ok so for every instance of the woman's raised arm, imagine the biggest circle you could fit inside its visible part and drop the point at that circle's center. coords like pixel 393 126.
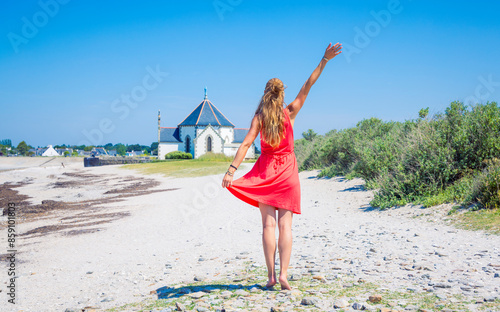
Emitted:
pixel 296 105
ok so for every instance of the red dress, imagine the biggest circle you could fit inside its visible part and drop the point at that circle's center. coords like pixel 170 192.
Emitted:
pixel 274 178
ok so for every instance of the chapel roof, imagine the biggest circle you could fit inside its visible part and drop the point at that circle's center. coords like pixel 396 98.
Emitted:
pixel 204 114
pixel 239 135
pixel 168 134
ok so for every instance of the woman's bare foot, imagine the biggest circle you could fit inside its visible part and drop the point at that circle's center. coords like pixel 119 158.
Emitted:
pixel 271 282
pixel 284 283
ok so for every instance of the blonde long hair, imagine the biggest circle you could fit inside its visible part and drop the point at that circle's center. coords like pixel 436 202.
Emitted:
pixel 270 112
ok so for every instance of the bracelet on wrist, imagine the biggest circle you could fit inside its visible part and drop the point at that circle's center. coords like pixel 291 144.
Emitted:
pixel 229 173
pixel 325 59
pixel 231 165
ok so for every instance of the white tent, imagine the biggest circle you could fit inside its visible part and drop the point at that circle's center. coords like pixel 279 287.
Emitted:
pixel 50 151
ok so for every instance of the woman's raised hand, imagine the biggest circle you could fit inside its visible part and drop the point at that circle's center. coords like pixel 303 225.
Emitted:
pixel 333 51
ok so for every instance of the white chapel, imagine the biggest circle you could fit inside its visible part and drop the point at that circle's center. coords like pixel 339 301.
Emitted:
pixel 204 130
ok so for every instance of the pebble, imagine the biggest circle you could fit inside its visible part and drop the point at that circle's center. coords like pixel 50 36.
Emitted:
pixel 440 254
pixel 254 290
pixel 309 301
pixel 241 292
pixel 197 295
pixel 320 278
pixel 442 297
pixel 358 306
pixel 441 285
pixel 295 277
pixel 179 306
pixel 375 298
pixel 341 303
pixel 295 293
pixel 226 294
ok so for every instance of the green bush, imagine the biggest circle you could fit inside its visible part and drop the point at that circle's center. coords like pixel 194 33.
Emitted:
pixel 426 160
pixel 215 157
pixel 307 153
pixel 486 186
pixel 178 155
pixel 309 135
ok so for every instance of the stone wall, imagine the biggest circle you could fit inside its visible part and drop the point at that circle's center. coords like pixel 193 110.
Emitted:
pixel 104 161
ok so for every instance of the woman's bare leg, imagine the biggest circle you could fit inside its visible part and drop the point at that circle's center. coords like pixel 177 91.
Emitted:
pixel 284 244
pixel 269 240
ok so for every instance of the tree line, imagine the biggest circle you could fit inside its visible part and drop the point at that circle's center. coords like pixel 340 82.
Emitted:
pixel 23 148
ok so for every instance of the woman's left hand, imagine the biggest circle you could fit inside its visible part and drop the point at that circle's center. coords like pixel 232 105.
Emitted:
pixel 227 181
pixel 333 51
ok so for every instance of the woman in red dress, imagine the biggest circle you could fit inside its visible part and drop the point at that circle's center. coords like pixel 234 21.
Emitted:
pixel 273 182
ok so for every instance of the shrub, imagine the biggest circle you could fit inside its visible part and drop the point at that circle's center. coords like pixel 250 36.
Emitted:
pixel 215 157
pixel 308 154
pixel 309 135
pixel 486 186
pixel 178 155
pixel 427 160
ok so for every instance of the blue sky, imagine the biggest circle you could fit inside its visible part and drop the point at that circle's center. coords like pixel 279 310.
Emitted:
pixel 68 67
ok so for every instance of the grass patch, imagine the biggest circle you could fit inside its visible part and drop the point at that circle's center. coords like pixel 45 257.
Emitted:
pixel 484 219
pixel 207 164
pixel 181 168
pixel 215 157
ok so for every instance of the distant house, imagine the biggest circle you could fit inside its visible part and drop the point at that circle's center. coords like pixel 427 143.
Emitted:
pixel 112 153
pixel 61 151
pixel 49 152
pixel 39 151
pixel 83 153
pixel 134 153
pixel 99 151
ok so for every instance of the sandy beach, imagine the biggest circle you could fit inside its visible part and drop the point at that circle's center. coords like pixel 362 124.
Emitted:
pixel 105 236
